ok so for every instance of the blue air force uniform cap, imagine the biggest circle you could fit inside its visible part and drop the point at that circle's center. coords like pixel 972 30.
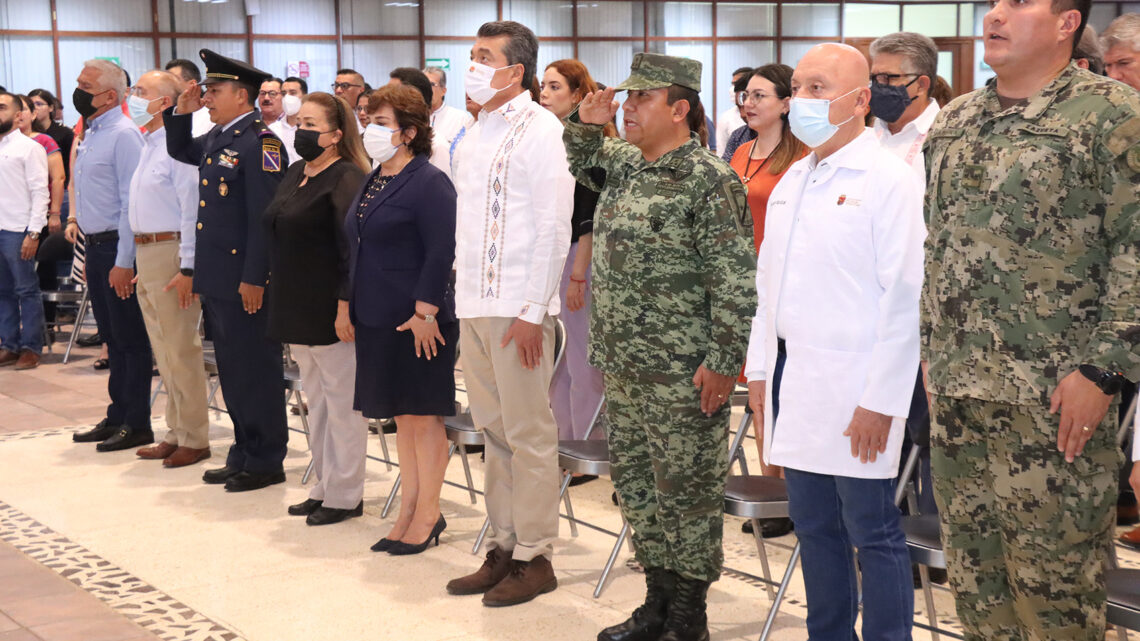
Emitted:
pixel 222 69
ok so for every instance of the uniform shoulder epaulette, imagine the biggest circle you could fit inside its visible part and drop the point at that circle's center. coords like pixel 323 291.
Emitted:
pixel 270 147
pixel 262 128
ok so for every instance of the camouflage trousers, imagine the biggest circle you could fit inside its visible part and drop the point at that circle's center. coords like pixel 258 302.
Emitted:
pixel 669 463
pixel 1026 534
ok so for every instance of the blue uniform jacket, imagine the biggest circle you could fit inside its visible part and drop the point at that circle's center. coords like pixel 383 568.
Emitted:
pixel 239 169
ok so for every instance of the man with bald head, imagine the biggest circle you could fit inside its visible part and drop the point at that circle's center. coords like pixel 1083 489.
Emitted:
pixel 163 209
pixel 834 347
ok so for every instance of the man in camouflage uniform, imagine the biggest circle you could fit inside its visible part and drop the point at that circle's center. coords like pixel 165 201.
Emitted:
pixel 1029 309
pixel 673 292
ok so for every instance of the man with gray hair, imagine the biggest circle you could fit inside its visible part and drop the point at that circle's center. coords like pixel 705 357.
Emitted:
pixel 163 211
pixel 446 121
pixel 903 68
pixel 1121 42
pixel 104 163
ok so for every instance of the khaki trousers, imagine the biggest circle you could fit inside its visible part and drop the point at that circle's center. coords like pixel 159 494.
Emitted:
pixel 511 405
pixel 173 333
pixel 338 435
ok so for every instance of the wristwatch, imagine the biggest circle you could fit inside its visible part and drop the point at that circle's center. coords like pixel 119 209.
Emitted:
pixel 186 271
pixel 1109 382
pixel 426 317
pixel 34 235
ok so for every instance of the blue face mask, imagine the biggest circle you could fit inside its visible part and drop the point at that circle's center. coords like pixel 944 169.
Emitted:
pixel 137 107
pixel 810 121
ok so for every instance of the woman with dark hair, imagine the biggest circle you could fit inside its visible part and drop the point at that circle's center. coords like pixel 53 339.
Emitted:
pixel 307 298
pixel 760 165
pixel 44 105
pixel 401 232
pixel 576 388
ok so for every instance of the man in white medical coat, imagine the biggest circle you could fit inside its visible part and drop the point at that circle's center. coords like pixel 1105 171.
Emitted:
pixel 836 333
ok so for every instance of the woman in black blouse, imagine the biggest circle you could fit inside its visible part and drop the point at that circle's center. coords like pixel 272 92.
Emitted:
pixel 308 298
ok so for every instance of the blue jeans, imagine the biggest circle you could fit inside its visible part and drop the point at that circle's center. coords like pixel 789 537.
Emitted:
pixel 21 305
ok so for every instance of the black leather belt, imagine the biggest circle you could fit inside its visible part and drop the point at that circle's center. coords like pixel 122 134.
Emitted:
pixel 102 237
pixel 780 349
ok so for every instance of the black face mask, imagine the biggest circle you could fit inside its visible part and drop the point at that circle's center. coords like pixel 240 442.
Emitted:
pixel 82 100
pixel 307 144
pixel 888 102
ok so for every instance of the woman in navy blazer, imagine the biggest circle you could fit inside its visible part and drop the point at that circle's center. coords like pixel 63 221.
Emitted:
pixel 401 233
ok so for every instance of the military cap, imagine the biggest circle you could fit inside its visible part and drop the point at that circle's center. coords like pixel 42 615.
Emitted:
pixel 657 71
pixel 222 69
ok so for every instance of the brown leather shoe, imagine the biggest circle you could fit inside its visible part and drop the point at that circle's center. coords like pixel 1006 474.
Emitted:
pixel 184 456
pixel 1131 538
pixel 157 452
pixel 8 357
pixel 27 360
pixel 527 580
pixel 494 569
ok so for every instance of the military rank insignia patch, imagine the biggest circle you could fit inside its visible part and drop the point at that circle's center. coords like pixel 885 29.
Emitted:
pixel 270 156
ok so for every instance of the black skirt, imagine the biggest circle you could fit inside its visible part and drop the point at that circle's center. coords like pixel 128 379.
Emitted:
pixel 391 381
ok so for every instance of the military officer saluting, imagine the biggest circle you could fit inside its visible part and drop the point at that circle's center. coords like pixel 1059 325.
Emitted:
pixel 673 297
pixel 240 163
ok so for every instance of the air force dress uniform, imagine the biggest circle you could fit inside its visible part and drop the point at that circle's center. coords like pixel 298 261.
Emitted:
pixel 240 165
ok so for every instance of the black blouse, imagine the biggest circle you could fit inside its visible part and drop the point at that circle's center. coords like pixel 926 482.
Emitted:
pixel 308 252
pixel 64 137
pixel 585 202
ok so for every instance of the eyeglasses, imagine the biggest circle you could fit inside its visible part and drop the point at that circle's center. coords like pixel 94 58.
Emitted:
pixel 753 97
pixel 360 109
pixel 889 78
pixel 344 86
pixel 37 104
pixel 268 94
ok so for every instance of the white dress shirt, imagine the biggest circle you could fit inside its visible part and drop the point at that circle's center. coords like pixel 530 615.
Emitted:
pixel 446 123
pixel 23 183
pixel 838 278
pixel 288 135
pixel 728 122
pixel 907 143
pixel 201 124
pixel 515 197
pixel 164 195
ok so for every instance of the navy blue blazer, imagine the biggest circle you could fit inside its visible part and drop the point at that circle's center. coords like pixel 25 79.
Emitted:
pixel 404 247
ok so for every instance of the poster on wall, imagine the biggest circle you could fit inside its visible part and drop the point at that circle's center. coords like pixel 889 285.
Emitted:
pixel 297 68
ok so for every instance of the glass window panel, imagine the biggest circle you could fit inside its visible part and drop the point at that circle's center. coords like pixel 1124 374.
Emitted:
pixel 1129 7
pixel 458 54
pixel 443 18
pixel 731 56
pixel 746 19
pixel 946 67
pixel 121 15
pixel 611 19
pixel 374 59
pixel 189 47
pixel 982 71
pixel 26 63
pixel 681 19
pixel 547 18
pixel 791 52
pixel 136 56
pixel 1101 15
pixel 271 57
pixel 548 52
pixel 966 19
pixel 373 18
pixel 934 20
pixel 304 17
pixel 197 17
pixel 608 62
pixel 869 20
pixel 20 14
pixel 980 11
pixel 819 20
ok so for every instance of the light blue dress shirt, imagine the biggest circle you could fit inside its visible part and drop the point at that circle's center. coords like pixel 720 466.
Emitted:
pixel 104 163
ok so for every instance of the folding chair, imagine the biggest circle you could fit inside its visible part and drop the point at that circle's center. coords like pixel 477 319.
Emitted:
pixel 923 537
pixel 62 296
pixel 80 316
pixel 1124 600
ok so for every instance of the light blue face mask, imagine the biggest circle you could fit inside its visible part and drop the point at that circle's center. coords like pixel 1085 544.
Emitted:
pixel 810 120
pixel 137 107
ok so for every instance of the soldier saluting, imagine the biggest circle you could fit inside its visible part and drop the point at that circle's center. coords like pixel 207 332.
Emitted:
pixel 240 163
pixel 673 298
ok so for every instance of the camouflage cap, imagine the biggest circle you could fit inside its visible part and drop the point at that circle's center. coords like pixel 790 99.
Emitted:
pixel 656 71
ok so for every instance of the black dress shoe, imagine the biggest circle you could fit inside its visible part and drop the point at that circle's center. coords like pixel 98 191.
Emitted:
pixel 304 508
pixel 383 544
pixel 329 515
pixel 219 475
pixel 246 481
pixel 101 432
pixel 126 438
pixel 770 528
pixel 582 479
pixel 89 341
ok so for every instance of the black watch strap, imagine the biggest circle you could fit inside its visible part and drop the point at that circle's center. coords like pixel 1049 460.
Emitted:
pixel 186 271
pixel 1109 382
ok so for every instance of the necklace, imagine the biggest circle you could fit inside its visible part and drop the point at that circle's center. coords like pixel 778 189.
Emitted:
pixel 747 176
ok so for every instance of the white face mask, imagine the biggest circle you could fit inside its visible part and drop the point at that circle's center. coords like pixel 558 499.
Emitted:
pixel 290 104
pixel 477 83
pixel 138 107
pixel 378 142
pixel 810 119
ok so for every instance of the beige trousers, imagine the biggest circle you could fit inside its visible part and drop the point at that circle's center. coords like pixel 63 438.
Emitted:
pixel 173 333
pixel 338 434
pixel 511 404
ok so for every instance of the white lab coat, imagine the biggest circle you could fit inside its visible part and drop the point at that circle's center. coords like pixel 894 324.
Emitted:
pixel 842 266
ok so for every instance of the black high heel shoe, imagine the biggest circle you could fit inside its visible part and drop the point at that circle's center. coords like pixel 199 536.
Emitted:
pixel 383 544
pixel 399 548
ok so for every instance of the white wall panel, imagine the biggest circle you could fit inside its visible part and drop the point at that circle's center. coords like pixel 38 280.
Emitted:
pixel 449 18
pixel 731 56
pixel 308 17
pixel 810 20
pixel 136 55
pixel 197 17
pixel 370 17
pixel 681 19
pixel 375 59
pixel 748 19
pixel 271 57
pixel 21 14
pixel 791 52
pixel 26 64
pixel 548 52
pixel 611 19
pixel 874 20
pixel 458 54
pixel 547 18
pixel 189 47
pixel 935 20
pixel 120 15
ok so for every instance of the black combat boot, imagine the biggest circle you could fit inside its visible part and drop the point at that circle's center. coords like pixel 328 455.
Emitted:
pixel 687 620
pixel 648 621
